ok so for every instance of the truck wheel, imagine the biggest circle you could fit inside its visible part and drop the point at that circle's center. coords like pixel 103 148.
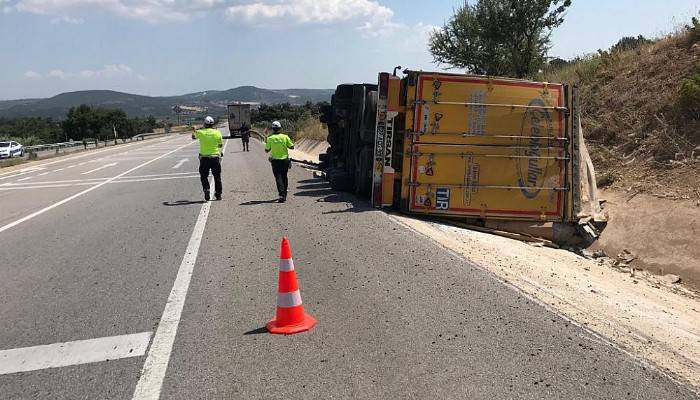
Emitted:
pixel 363 171
pixel 340 181
pixel 369 119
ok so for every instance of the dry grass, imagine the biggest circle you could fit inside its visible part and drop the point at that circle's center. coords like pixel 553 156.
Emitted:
pixel 637 130
pixel 11 162
pixel 311 128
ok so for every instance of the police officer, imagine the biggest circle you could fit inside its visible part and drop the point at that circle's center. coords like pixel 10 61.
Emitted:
pixel 278 145
pixel 210 144
pixel 245 136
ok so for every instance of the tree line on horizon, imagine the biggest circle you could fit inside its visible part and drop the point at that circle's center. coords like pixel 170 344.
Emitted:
pixel 81 122
pixel 90 122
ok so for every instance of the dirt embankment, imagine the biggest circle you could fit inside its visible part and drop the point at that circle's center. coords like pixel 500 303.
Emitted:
pixel 308 150
pixel 654 234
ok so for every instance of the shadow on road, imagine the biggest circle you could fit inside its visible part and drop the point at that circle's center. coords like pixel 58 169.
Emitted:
pixel 258 331
pixel 321 190
pixel 182 203
pixel 321 185
pixel 256 202
pixel 313 180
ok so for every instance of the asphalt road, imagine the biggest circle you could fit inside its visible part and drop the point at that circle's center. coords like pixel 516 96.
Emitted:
pixel 102 262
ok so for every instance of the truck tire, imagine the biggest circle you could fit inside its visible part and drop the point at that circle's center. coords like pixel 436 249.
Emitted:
pixel 340 181
pixel 369 119
pixel 363 171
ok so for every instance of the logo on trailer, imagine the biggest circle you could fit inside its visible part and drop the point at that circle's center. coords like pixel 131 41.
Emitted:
pixel 442 199
pixel 532 167
pixel 389 142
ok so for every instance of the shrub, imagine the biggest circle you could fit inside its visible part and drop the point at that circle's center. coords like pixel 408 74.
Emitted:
pixel 630 43
pixel 605 179
pixel 693 31
pixel 690 95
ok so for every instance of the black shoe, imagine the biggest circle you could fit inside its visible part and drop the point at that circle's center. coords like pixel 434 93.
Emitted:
pixel 207 196
pixel 217 196
pixel 281 200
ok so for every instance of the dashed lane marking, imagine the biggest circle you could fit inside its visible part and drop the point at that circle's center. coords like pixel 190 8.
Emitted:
pixel 99 168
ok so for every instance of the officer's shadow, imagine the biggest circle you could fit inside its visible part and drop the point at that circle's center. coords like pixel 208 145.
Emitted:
pixel 256 202
pixel 182 203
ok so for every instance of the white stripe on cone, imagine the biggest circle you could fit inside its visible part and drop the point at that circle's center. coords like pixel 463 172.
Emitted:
pixel 287 265
pixel 289 299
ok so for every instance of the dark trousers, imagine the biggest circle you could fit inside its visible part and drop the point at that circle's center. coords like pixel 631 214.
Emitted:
pixel 280 169
pixel 246 142
pixel 213 164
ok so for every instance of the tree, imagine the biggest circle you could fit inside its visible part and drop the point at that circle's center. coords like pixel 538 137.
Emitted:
pixel 630 43
pixel 499 37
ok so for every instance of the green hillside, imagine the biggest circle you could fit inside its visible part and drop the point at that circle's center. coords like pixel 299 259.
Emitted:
pixel 140 106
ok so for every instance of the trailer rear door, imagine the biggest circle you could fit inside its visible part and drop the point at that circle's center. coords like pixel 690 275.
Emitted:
pixel 488 148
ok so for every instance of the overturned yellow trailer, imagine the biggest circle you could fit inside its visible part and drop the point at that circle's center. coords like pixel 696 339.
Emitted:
pixel 495 152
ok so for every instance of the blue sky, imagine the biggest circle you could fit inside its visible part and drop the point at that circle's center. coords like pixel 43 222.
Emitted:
pixel 168 47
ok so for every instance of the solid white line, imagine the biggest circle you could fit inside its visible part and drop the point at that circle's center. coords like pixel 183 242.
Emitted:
pixel 92 153
pixel 24 179
pixel 44 173
pixel 153 372
pixel 99 168
pixel 36 185
pixel 73 353
pixel 94 180
pixel 21 172
pixel 88 190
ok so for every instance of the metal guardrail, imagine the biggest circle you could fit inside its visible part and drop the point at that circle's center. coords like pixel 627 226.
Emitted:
pixel 64 145
pixel 44 147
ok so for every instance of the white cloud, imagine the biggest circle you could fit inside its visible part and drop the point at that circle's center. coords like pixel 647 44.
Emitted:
pixel 371 17
pixel 32 75
pixel 150 11
pixel 67 20
pixel 111 71
pixel 368 16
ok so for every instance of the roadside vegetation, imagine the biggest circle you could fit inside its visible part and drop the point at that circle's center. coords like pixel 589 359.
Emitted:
pixel 299 121
pixel 82 122
pixel 641 111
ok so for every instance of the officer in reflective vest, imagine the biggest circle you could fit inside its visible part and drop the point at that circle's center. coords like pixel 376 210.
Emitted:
pixel 210 144
pixel 278 145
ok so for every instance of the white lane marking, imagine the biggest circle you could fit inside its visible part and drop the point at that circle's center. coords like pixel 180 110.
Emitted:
pixel 58 170
pixel 88 190
pixel 153 372
pixel 6 187
pixel 179 163
pixel 94 180
pixel 24 179
pixel 92 153
pixel 71 166
pixel 21 172
pixel 99 168
pixel 44 173
pixel 73 353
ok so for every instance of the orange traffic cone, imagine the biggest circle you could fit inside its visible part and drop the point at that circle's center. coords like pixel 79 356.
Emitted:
pixel 290 317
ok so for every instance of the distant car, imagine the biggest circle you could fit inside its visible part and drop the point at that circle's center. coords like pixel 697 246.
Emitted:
pixel 11 149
